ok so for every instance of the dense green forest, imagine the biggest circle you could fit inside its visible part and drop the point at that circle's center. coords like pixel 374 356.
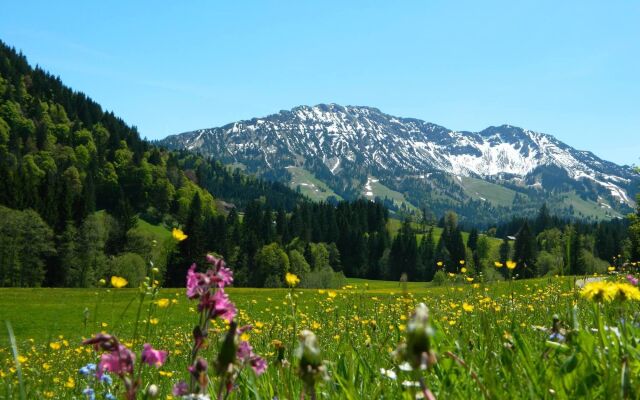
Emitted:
pixel 83 197
pixel 63 158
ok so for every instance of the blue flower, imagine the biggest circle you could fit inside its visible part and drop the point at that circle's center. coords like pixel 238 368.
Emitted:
pixel 109 396
pixel 106 379
pixel 557 337
pixel 87 369
pixel 91 395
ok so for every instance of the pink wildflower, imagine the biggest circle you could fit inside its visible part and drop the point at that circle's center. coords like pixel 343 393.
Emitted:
pixel 246 355
pixel 224 308
pixel 197 283
pixel 258 364
pixel 119 361
pixel 180 389
pixel 224 277
pixel 153 357
pixel 632 279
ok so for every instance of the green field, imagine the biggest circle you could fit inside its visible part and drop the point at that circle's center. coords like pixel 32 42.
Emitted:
pixel 489 339
pixel 309 185
pixel 483 190
pixel 380 190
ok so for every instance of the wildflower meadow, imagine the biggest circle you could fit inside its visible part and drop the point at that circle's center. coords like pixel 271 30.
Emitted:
pixel 556 337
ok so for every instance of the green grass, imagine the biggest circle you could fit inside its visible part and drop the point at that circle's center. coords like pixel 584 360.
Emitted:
pixel 584 208
pixel 496 194
pixel 309 185
pixel 380 190
pixel 488 339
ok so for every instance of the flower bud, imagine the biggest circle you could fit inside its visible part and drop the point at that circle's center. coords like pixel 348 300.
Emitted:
pixel 227 354
pixel 310 368
pixel 417 350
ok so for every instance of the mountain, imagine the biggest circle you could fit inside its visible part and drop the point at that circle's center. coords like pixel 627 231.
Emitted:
pixel 331 150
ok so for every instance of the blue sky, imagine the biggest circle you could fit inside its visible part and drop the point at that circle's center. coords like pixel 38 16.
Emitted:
pixel 568 68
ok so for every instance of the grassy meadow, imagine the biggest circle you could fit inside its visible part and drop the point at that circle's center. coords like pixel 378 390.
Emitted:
pixel 492 341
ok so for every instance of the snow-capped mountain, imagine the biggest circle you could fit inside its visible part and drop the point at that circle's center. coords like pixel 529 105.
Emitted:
pixel 342 145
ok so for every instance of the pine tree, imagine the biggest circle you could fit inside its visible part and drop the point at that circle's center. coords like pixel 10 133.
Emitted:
pixel 525 251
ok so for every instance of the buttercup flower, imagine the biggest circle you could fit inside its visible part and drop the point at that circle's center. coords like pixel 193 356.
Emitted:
pixel 178 234
pixel 118 282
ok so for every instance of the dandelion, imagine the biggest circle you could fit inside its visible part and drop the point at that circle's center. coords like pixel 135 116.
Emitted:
pixel 291 279
pixel 611 268
pixel 598 291
pixel 511 264
pixel 625 291
pixel 178 234
pixel 467 307
pixel 463 270
pixel 498 264
pixel 439 264
pixel 461 262
pixel 118 282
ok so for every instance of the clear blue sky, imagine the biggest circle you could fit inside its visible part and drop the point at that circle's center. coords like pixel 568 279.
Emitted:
pixel 568 68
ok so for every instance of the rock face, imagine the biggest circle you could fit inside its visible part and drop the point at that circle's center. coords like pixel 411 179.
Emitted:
pixel 345 146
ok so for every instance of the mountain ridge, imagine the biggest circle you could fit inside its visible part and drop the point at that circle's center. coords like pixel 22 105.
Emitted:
pixel 339 144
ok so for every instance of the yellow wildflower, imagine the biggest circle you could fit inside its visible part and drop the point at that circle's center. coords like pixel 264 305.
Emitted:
pixel 163 303
pixel 118 282
pixel 291 279
pixel 598 291
pixel 511 264
pixel 626 291
pixel 498 264
pixel 467 307
pixel 178 234
pixel 70 383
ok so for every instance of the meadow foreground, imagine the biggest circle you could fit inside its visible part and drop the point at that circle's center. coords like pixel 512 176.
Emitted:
pixel 526 339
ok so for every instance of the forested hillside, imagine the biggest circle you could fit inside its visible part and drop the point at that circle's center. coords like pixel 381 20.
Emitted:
pixel 62 158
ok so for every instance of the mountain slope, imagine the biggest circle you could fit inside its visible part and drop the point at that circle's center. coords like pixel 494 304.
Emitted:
pixel 345 146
